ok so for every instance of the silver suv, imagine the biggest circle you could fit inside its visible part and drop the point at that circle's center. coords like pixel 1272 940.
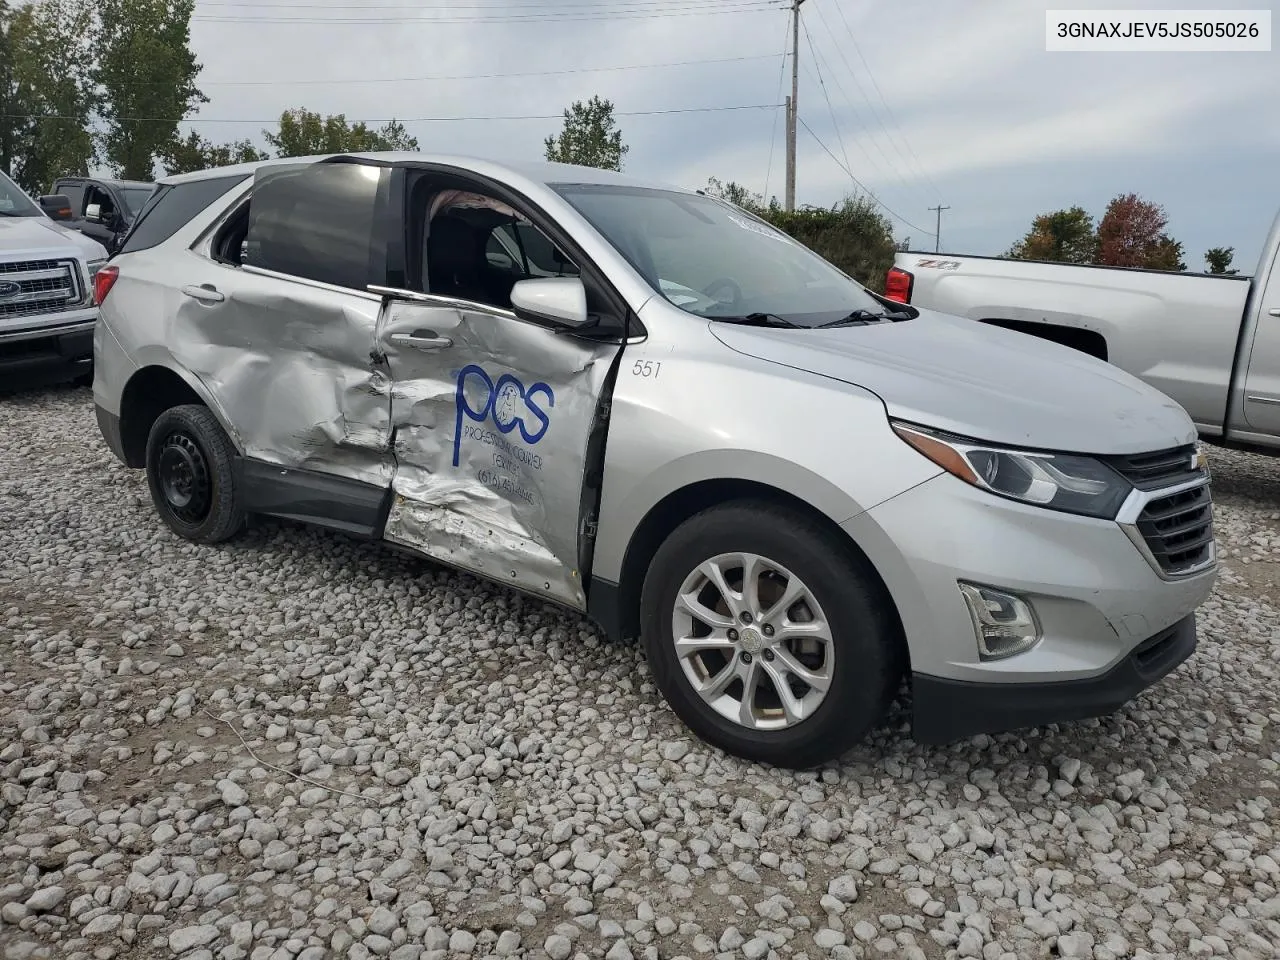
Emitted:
pixel 648 405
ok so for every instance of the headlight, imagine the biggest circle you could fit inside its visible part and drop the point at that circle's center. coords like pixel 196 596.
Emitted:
pixel 93 266
pixel 1060 481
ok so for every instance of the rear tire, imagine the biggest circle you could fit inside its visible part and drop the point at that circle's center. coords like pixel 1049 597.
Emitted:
pixel 811 699
pixel 190 471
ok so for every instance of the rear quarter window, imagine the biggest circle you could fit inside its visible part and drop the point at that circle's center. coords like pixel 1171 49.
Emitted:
pixel 172 206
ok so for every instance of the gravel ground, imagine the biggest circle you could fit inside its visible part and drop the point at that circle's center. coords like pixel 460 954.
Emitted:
pixel 302 746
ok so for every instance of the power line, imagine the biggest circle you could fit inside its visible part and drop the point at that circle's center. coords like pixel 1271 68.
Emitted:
pixel 859 183
pixel 891 167
pixel 827 96
pixel 872 77
pixel 466 76
pixel 538 116
pixel 773 126
pixel 746 6
pixel 888 134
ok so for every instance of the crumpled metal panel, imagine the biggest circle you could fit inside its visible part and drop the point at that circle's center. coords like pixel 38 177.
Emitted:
pixel 291 367
pixel 490 443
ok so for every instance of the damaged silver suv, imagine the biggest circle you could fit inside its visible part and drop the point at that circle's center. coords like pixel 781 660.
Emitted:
pixel 649 405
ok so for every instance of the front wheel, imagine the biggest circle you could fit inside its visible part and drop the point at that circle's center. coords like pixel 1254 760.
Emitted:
pixel 767 637
pixel 190 471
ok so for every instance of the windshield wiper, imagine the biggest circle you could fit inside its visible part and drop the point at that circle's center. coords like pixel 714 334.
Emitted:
pixel 860 318
pixel 758 320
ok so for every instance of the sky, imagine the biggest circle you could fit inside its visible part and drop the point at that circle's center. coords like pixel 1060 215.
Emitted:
pixel 919 102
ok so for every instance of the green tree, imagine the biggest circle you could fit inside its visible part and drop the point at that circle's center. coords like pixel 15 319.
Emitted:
pixel 46 91
pixel 1064 236
pixel 302 133
pixel 589 137
pixel 147 72
pixel 194 152
pixel 852 234
pixel 736 194
pixel 1218 260
pixel 1132 234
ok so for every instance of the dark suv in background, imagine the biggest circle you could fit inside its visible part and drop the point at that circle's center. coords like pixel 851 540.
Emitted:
pixel 101 209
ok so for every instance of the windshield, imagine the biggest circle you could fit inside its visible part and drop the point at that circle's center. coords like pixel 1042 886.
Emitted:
pixel 15 203
pixel 714 260
pixel 135 197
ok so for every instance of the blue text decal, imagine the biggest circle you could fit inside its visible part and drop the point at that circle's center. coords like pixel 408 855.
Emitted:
pixel 509 402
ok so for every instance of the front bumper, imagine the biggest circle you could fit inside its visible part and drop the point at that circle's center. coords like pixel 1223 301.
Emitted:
pixel 48 350
pixel 946 710
pixel 1098 599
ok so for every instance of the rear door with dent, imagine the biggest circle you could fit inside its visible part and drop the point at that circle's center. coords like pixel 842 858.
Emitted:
pixel 278 323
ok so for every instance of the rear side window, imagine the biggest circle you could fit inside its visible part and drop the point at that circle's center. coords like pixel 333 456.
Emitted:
pixel 317 222
pixel 172 207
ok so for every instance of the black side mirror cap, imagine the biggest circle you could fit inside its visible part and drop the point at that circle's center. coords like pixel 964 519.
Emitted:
pixel 57 206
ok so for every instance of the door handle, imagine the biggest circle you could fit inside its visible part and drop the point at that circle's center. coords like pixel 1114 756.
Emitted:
pixel 421 340
pixel 1274 311
pixel 205 292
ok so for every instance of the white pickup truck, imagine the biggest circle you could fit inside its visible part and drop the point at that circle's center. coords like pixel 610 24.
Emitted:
pixel 1209 342
pixel 47 305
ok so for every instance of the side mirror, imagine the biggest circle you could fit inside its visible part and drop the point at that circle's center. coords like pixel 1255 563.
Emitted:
pixel 93 213
pixel 560 300
pixel 57 206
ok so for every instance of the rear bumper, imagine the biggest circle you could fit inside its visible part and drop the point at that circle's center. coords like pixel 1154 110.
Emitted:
pixel 52 350
pixel 946 710
pixel 109 426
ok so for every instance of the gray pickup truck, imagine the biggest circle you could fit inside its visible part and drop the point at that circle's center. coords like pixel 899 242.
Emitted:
pixel 1209 342
pixel 47 305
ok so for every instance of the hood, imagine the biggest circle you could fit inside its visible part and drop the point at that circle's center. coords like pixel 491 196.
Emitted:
pixel 981 382
pixel 39 237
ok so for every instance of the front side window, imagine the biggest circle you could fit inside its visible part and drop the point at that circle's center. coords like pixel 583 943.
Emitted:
pixel 317 222
pixel 714 260
pixel 15 203
pixel 478 248
pixel 96 195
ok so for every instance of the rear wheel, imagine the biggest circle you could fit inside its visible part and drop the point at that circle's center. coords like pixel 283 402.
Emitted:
pixel 191 476
pixel 767 637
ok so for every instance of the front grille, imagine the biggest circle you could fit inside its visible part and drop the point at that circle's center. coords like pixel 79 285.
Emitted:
pixel 29 266
pixel 1178 529
pixel 1164 468
pixel 37 287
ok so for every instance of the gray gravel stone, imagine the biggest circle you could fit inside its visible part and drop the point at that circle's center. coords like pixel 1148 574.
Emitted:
pixel 497 770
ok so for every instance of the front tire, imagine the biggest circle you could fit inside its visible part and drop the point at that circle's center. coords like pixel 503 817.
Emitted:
pixel 191 475
pixel 767 636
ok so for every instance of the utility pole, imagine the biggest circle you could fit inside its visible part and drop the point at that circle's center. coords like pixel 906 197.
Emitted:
pixel 937 233
pixel 791 104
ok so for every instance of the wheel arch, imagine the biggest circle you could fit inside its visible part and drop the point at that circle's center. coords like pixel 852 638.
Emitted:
pixel 149 391
pixel 617 606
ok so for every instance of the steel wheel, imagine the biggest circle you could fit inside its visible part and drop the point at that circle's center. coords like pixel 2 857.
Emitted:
pixel 191 473
pixel 184 478
pixel 753 641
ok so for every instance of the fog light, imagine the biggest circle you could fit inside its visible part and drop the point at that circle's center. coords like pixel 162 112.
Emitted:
pixel 1004 623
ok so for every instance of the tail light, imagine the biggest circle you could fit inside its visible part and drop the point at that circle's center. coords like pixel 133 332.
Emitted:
pixel 103 281
pixel 897 285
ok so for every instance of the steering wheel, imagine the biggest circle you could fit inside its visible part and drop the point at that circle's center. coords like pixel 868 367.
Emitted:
pixel 734 290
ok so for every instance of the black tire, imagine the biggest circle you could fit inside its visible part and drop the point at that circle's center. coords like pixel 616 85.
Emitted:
pixel 191 475
pixel 866 636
